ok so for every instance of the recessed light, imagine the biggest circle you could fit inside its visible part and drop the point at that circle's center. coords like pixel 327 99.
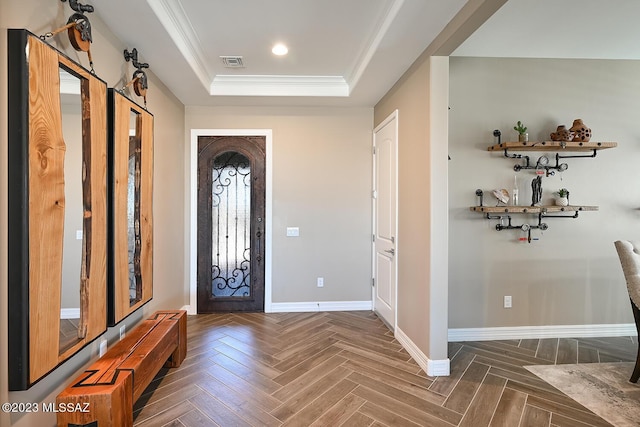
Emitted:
pixel 280 49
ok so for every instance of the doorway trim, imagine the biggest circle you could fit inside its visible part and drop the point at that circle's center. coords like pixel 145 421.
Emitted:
pixel 391 117
pixel 191 261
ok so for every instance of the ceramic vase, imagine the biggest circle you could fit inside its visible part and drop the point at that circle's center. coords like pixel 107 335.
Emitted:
pixel 581 132
pixel 562 134
pixel 562 201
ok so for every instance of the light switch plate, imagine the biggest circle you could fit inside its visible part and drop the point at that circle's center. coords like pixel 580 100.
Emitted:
pixel 508 302
pixel 293 231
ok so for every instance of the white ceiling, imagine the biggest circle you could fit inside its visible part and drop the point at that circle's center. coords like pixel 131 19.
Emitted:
pixel 345 52
pixel 341 52
pixel 585 29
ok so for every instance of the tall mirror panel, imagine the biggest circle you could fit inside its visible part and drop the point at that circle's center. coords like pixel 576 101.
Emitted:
pixel 133 209
pixel 57 208
pixel 131 148
pixel 72 248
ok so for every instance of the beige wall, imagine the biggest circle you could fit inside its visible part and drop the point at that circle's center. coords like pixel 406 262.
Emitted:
pixel 41 16
pixel 72 256
pixel 321 184
pixel 422 276
pixel 423 250
pixel 571 276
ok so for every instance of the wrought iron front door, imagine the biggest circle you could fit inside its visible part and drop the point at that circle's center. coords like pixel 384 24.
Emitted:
pixel 231 223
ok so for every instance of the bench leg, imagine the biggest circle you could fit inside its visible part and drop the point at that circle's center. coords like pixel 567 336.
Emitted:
pixel 179 354
pixel 110 407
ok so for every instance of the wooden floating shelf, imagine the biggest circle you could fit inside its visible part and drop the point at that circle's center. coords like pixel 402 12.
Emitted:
pixel 553 146
pixel 532 209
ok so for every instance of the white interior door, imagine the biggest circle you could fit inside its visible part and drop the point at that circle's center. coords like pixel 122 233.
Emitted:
pixel 385 143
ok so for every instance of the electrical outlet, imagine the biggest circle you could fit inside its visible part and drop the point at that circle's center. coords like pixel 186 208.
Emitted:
pixel 103 347
pixel 123 332
pixel 320 282
pixel 507 301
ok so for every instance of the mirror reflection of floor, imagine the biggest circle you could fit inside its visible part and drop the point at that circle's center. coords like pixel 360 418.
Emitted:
pixel 68 333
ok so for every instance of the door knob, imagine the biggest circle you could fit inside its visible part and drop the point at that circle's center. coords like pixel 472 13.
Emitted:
pixel 390 251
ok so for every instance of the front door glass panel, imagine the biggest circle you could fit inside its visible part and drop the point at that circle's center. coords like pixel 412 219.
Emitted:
pixel 230 226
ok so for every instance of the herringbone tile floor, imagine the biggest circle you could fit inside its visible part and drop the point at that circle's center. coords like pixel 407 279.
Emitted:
pixel 332 369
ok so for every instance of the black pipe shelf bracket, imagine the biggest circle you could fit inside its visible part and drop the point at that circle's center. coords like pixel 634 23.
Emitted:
pixel 557 146
pixel 525 227
pixel 502 213
pixel 512 150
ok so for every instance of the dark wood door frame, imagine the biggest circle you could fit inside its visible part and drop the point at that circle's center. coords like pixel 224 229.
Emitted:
pixel 251 295
pixel 195 133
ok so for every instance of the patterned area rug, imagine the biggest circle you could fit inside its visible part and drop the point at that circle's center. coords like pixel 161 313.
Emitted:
pixel 604 388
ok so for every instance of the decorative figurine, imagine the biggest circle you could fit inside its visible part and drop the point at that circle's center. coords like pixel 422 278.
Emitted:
pixel 501 195
pixel 582 132
pixel 536 187
pixel 562 134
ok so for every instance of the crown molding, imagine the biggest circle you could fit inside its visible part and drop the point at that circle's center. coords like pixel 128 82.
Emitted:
pixel 173 18
pixel 175 21
pixel 247 85
pixel 361 64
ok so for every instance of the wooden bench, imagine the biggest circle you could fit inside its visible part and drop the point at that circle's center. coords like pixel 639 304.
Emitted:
pixel 104 394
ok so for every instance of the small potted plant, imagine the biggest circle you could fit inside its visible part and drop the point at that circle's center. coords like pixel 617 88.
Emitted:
pixel 523 136
pixel 562 197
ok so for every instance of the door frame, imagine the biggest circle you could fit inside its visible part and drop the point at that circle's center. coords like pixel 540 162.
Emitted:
pixel 191 254
pixel 393 116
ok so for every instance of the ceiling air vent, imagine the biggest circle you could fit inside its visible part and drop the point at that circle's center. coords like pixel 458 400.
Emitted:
pixel 232 61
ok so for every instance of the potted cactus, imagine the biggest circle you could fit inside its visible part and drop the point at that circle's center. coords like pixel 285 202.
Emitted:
pixel 523 136
pixel 562 197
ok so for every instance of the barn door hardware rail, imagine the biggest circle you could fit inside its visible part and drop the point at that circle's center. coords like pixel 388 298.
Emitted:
pixel 139 78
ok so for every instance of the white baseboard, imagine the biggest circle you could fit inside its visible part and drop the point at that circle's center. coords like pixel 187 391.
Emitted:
pixel 305 307
pixel 298 307
pixel 433 368
pixel 190 309
pixel 70 313
pixel 534 332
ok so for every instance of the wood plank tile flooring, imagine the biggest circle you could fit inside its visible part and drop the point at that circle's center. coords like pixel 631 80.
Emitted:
pixel 334 369
pixel 68 333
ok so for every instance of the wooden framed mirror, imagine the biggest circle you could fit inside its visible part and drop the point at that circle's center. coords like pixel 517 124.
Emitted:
pixel 57 208
pixel 131 178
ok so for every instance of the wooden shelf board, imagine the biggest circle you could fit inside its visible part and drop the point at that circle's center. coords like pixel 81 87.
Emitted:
pixel 552 146
pixel 532 209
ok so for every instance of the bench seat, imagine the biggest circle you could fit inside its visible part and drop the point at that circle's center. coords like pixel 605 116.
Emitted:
pixel 107 390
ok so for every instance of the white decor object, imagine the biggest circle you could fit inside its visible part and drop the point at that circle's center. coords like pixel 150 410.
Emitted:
pixel 501 195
